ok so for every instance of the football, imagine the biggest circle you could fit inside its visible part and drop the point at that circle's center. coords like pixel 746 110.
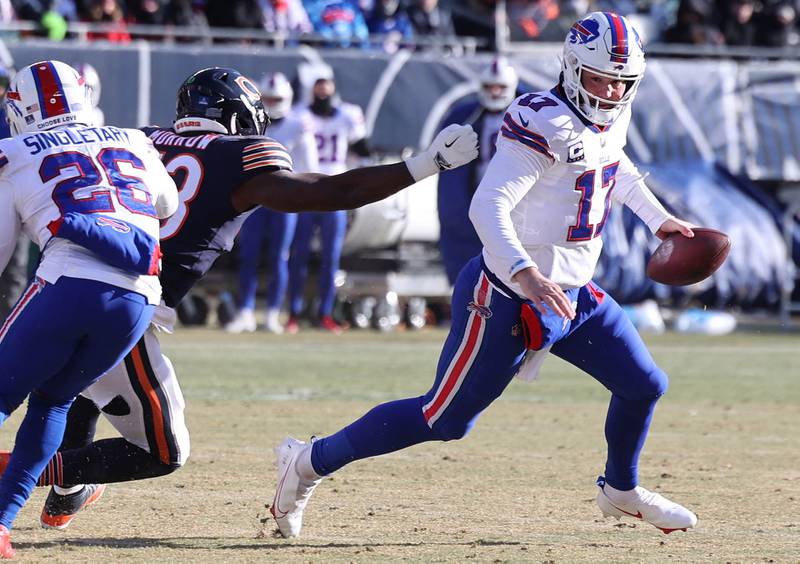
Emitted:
pixel 680 261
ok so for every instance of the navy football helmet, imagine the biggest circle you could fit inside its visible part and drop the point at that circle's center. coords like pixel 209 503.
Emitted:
pixel 221 100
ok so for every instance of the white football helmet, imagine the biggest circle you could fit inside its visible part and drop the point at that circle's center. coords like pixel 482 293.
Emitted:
pixel 498 74
pixel 45 95
pixel 92 80
pixel 276 94
pixel 606 44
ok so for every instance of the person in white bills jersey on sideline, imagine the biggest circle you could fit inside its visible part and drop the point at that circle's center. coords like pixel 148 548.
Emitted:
pixel 91 198
pixel 294 131
pixel 539 211
pixel 339 129
pixel 92 80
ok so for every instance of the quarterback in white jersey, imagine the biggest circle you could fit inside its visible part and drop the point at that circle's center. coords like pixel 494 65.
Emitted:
pixel 91 198
pixel 549 189
pixel 539 211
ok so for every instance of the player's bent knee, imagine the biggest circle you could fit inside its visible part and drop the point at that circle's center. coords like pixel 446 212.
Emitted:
pixel 659 382
pixel 452 430
pixel 653 386
pixel 649 386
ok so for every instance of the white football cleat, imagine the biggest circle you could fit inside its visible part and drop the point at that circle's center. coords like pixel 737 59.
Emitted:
pixel 640 503
pixel 272 322
pixel 292 493
pixel 244 322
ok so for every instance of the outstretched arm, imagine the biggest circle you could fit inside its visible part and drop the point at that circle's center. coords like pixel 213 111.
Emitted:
pixel 294 192
pixel 290 192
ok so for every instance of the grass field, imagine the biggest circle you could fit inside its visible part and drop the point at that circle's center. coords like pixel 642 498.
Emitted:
pixel 520 488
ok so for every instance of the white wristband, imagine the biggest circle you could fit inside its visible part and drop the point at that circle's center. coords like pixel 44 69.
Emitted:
pixel 421 166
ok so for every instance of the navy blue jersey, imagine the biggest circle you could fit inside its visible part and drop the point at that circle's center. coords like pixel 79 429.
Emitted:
pixel 207 168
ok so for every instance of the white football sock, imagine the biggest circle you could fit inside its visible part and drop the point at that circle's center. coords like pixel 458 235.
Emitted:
pixel 67 491
pixel 304 467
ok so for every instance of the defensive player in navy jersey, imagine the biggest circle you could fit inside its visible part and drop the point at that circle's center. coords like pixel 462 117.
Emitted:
pixel 224 167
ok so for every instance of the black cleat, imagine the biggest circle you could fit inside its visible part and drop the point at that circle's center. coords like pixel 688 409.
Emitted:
pixel 59 510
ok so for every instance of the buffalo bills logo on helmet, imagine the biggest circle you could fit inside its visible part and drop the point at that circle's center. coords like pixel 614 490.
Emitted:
pixel 481 310
pixel 584 31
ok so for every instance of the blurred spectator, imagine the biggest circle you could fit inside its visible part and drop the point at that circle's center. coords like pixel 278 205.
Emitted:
pixel 66 8
pixel 527 19
pixel 341 21
pixel 391 20
pixel 7 13
pixel 694 24
pixel 777 25
pixel 428 18
pixel 183 13
pixel 388 16
pixel 150 12
pixel 286 15
pixel 621 7
pixel 53 24
pixel 474 18
pixel 27 10
pixel 108 12
pixel 243 14
pixel 737 21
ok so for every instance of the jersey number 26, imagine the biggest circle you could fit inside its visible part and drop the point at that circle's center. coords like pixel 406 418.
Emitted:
pixel 83 189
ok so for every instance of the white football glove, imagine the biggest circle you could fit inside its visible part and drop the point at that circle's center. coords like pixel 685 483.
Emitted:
pixel 455 145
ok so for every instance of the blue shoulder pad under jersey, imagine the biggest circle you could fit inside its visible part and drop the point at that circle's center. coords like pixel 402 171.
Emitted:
pixel 118 243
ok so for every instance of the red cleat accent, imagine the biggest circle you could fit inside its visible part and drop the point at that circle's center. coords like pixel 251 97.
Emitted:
pixel 5 457
pixel 668 531
pixel 328 324
pixel 60 510
pixel 292 326
pixel 6 550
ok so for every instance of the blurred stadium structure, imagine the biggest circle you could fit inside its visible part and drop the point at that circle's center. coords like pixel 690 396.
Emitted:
pixel 717 129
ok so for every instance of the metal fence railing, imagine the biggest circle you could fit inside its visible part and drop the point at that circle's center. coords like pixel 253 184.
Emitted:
pixel 207 35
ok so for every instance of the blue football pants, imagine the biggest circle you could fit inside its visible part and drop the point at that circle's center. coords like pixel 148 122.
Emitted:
pixel 58 340
pixel 483 352
pixel 278 229
pixel 332 226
